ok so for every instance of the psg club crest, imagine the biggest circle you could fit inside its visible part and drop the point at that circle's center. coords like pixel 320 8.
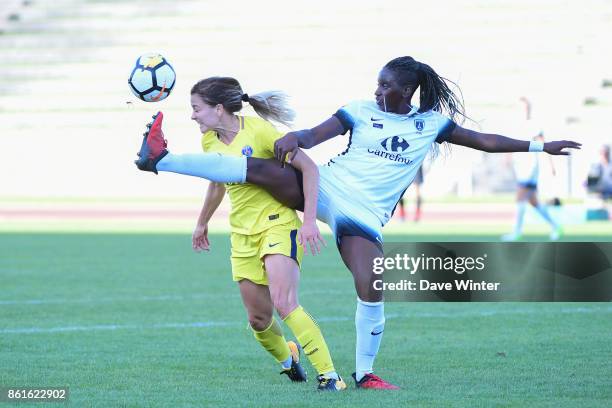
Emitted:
pixel 247 151
pixel 419 124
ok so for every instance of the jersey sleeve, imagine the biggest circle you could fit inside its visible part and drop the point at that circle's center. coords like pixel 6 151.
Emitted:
pixel 445 128
pixel 347 115
pixel 267 134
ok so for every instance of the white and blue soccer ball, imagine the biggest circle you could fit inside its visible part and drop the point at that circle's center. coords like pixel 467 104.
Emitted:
pixel 152 78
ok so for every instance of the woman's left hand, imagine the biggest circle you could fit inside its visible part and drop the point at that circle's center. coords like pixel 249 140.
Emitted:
pixel 556 148
pixel 309 234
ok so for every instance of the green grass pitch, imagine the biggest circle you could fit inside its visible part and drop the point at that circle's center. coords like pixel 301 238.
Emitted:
pixel 141 320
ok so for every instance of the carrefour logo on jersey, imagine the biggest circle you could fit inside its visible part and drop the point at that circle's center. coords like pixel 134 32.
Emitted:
pixel 395 144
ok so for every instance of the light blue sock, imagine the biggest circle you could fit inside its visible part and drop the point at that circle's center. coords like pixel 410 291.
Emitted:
pixel 520 215
pixel 369 323
pixel 546 215
pixel 211 166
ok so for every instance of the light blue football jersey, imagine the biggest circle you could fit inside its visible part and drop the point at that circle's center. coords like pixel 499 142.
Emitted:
pixel 384 153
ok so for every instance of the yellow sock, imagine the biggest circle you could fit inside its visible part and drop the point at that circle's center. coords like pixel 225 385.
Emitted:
pixel 311 339
pixel 273 341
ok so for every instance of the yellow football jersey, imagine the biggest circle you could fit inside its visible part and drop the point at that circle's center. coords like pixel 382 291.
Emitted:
pixel 253 209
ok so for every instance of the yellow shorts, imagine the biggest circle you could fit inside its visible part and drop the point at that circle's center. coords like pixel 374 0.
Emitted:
pixel 248 250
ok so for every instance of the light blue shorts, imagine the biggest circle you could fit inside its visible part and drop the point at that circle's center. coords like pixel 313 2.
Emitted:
pixel 346 216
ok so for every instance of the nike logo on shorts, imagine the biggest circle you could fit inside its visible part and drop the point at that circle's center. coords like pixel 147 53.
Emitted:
pixel 376 334
pixel 273 245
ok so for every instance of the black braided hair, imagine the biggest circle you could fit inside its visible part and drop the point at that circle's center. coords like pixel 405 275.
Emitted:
pixel 434 91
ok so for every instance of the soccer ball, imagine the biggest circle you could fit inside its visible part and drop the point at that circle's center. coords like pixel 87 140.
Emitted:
pixel 152 78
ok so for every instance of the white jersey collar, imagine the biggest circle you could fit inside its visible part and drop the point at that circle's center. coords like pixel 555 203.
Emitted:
pixel 413 111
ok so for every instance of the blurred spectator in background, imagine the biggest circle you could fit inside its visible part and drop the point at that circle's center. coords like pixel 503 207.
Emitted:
pixel 600 176
pixel 419 200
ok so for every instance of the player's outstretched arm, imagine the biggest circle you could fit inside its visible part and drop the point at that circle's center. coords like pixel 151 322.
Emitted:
pixel 214 197
pixel 309 232
pixel 492 143
pixel 307 138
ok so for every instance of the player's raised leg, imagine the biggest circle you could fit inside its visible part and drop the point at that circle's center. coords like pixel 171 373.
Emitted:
pixel 267 331
pixel 283 183
pixel 358 254
pixel 283 277
pixel 154 156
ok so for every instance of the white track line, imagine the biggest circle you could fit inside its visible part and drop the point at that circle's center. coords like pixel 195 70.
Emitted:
pixel 160 298
pixel 197 325
pixel 31 330
pixel 111 299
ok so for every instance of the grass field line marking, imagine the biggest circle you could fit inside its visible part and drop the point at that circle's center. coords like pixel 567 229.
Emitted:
pixel 31 330
pixel 160 298
pixel 110 299
pixel 388 316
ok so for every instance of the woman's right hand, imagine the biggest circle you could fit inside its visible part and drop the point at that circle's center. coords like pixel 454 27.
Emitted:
pixel 199 239
pixel 286 148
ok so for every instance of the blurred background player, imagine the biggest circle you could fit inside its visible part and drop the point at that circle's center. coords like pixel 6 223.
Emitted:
pixel 527 171
pixel 265 256
pixel 418 180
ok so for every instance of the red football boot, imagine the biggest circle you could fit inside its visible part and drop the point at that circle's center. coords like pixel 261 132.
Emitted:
pixel 153 147
pixel 373 382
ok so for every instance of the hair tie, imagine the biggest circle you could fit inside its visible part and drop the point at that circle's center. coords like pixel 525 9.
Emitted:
pixel 245 97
